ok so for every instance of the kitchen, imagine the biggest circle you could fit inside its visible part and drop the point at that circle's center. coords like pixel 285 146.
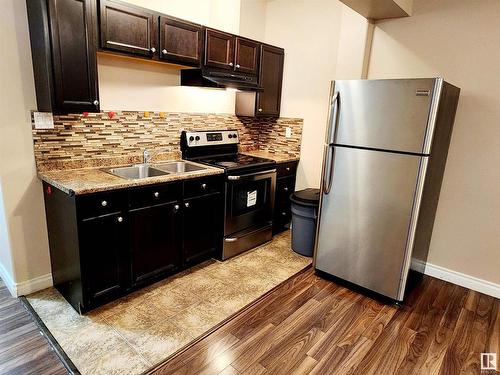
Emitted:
pixel 145 106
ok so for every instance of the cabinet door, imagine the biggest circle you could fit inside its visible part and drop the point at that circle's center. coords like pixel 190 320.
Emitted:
pixel 285 186
pixel 270 78
pixel 74 61
pixel 128 29
pixel 246 56
pixel 203 221
pixel 154 241
pixel 103 251
pixel 219 49
pixel 180 41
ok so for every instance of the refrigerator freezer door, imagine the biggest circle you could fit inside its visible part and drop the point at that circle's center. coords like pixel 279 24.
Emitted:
pixel 365 219
pixel 385 114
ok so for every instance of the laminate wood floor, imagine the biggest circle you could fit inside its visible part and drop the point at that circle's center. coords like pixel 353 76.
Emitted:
pixel 313 326
pixel 310 326
pixel 23 350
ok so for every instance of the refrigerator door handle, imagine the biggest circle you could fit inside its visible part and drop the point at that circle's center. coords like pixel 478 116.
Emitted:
pixel 328 168
pixel 332 119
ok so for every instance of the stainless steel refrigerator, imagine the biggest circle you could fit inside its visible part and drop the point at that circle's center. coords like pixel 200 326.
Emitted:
pixel 385 153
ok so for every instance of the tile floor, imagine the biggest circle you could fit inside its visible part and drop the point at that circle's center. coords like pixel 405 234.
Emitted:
pixel 133 334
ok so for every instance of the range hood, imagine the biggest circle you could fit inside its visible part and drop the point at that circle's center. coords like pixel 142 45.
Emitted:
pixel 218 79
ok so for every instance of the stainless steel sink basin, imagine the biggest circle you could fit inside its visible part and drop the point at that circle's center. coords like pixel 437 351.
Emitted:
pixel 178 167
pixel 136 171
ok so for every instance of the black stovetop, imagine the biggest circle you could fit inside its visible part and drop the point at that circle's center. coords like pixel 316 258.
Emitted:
pixel 236 161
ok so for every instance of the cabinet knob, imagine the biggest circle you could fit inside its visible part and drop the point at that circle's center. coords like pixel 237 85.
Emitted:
pixel 260 109
pixel 283 213
pixel 104 203
pixel 203 186
pixel 96 102
pixel 186 204
pixel 156 194
pixel 164 51
pixel 120 219
pixel 285 188
pixel 237 65
pixel 288 169
pixel 153 50
pixel 230 64
pixel 176 208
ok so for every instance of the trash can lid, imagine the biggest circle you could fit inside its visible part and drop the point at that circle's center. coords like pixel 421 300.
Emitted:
pixel 308 197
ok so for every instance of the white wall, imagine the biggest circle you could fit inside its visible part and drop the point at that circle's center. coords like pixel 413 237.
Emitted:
pixel 460 41
pixel 136 85
pixel 24 246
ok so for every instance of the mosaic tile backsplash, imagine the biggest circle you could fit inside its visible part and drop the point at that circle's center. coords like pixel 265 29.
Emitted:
pixel 78 140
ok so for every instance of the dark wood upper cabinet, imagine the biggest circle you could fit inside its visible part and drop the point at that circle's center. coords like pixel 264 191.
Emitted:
pixel 219 49
pixel 180 41
pixel 63 46
pixel 246 56
pixel 127 28
pixel 270 78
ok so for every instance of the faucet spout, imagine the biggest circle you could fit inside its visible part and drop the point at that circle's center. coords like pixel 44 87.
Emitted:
pixel 146 156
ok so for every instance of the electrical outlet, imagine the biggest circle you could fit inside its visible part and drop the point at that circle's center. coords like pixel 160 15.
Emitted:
pixel 288 132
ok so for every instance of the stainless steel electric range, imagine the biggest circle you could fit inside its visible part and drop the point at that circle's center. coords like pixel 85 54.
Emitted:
pixel 249 188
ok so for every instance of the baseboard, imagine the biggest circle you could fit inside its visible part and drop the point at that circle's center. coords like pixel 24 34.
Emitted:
pixel 454 277
pixel 7 280
pixel 24 287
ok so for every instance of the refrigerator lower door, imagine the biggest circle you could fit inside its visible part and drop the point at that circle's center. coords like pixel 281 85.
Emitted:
pixel 365 220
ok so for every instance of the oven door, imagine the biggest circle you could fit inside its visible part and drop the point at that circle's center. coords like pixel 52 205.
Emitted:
pixel 249 200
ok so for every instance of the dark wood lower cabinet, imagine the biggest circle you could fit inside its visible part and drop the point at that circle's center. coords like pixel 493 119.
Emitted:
pixel 105 245
pixel 155 241
pixel 202 227
pixel 105 257
pixel 285 186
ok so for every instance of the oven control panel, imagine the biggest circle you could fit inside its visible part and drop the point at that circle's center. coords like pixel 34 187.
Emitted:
pixel 210 138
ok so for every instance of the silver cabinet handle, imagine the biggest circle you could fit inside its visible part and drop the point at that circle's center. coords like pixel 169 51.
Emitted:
pixel 287 168
pixel 260 109
pixel 285 188
pixel 164 51
pixel 237 65
pixel 230 64
pixel 153 50
pixel 203 186
pixel 186 204
pixel 231 239
pixel 176 208
pixel 156 194
pixel 104 203
pixel 96 102
pixel 283 213
pixel 120 219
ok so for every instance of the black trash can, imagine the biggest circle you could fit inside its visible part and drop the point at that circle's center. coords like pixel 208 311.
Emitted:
pixel 305 205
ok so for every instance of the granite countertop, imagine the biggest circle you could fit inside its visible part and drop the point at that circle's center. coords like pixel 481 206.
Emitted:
pixel 92 180
pixel 280 157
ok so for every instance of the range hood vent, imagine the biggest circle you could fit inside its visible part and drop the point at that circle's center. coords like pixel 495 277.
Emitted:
pixel 217 79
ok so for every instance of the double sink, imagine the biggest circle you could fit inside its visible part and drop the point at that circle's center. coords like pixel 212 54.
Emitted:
pixel 138 171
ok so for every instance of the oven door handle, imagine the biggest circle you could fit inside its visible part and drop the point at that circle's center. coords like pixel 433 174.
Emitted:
pixel 243 176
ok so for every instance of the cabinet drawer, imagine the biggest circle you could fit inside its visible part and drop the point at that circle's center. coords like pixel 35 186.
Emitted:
pixel 202 186
pixel 155 194
pixel 286 169
pixel 285 186
pixel 100 204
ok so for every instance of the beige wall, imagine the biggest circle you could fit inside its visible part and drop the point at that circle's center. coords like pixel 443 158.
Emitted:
pixel 310 32
pixel 141 86
pixel 458 40
pixel 24 250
